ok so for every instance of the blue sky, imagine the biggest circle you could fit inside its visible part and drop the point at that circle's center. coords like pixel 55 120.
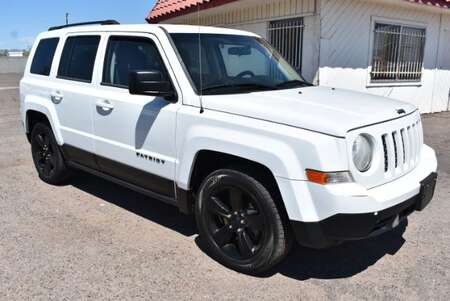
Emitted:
pixel 21 21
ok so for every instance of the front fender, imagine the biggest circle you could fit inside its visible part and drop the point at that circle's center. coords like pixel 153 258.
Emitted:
pixel 286 151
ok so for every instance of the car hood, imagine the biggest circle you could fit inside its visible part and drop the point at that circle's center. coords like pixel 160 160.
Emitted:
pixel 321 109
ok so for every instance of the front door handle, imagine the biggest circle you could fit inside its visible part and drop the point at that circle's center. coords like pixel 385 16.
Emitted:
pixel 105 105
pixel 56 97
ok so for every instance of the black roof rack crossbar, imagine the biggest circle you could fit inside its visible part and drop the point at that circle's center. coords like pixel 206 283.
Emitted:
pixel 104 22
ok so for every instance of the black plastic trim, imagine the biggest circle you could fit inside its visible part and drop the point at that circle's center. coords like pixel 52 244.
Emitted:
pixel 103 22
pixel 367 125
pixel 77 155
pixel 122 172
pixel 163 198
pixel 137 177
pixel 343 227
pixel 185 201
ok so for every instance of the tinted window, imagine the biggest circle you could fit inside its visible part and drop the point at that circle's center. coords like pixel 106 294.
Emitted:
pixel 125 54
pixel 43 57
pixel 78 58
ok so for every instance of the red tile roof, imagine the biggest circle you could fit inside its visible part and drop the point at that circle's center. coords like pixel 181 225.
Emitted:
pixel 438 3
pixel 165 9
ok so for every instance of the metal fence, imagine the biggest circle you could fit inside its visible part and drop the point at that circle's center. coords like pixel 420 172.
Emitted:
pixel 287 37
pixel 398 53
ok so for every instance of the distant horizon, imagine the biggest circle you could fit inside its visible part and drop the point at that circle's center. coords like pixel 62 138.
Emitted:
pixel 21 22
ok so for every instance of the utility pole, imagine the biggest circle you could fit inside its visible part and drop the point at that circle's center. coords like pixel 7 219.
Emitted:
pixel 67 18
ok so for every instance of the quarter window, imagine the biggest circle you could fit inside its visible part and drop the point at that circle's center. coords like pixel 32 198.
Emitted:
pixel 78 58
pixel 125 54
pixel 43 57
pixel 398 53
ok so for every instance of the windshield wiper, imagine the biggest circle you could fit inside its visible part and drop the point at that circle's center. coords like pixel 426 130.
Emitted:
pixel 239 87
pixel 293 84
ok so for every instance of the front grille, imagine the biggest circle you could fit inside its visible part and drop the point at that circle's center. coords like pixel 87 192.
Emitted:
pixel 401 148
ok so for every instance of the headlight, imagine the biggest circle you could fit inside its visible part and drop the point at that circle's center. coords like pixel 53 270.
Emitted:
pixel 362 152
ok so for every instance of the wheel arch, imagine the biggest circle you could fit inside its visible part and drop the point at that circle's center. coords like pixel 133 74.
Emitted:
pixel 206 161
pixel 36 110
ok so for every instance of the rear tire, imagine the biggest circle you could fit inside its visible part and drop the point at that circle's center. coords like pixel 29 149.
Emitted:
pixel 47 156
pixel 239 222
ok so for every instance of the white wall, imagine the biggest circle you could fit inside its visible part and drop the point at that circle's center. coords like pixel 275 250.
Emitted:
pixel 345 54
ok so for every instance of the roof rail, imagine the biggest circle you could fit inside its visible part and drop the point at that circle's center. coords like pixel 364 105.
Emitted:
pixel 104 22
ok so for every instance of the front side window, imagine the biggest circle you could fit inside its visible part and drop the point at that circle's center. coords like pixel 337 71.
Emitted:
pixel 43 57
pixel 398 53
pixel 226 64
pixel 125 54
pixel 78 58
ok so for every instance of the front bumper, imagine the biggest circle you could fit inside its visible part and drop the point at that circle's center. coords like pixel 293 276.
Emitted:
pixel 353 226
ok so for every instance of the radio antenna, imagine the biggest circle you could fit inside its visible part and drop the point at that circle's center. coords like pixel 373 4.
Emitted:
pixel 200 59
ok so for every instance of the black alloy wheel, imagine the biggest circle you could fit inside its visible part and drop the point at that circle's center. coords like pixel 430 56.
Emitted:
pixel 47 156
pixel 44 153
pixel 235 222
pixel 239 222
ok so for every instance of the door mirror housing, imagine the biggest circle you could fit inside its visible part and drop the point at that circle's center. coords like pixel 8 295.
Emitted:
pixel 151 83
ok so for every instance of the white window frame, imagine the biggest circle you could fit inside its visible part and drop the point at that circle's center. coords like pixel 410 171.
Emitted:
pixel 374 20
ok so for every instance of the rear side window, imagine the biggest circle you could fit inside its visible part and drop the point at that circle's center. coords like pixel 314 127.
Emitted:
pixel 43 56
pixel 78 58
pixel 125 54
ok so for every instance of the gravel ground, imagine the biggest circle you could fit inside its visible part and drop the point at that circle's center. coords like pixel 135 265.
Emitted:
pixel 95 240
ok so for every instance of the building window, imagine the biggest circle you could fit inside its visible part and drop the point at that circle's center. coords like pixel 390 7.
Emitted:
pixel 398 53
pixel 287 37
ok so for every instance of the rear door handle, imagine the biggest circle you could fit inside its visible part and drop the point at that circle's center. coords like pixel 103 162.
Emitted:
pixel 56 97
pixel 105 105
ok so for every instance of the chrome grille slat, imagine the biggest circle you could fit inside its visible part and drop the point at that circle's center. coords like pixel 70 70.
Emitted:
pixel 401 149
pixel 402 135
pixel 386 161
pixel 395 150
pixel 391 154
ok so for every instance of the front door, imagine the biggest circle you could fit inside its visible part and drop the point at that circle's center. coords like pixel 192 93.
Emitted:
pixel 134 134
pixel 441 93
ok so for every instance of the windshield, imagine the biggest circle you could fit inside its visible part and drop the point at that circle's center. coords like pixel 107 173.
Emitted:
pixel 234 64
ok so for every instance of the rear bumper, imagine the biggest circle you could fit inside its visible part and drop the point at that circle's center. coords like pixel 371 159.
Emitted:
pixel 343 227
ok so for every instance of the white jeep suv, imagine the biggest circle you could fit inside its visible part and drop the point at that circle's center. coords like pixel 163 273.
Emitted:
pixel 216 122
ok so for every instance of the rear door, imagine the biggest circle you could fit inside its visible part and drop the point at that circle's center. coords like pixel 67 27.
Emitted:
pixel 72 95
pixel 134 134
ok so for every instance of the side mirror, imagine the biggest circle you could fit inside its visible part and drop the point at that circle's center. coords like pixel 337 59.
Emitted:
pixel 151 83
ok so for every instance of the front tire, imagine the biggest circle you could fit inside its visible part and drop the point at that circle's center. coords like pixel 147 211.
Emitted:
pixel 239 222
pixel 47 156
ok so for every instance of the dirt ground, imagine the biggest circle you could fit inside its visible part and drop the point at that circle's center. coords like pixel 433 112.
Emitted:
pixel 94 240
